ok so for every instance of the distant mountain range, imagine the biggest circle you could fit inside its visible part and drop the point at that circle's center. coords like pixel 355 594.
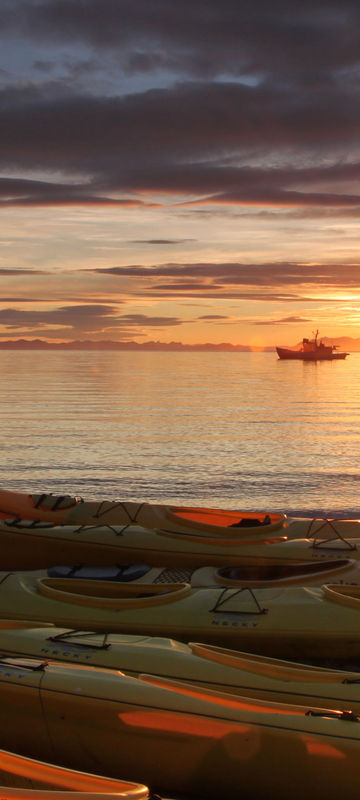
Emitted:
pixel 42 344
pixel 343 343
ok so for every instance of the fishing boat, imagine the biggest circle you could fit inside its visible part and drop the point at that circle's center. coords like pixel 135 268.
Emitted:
pixel 175 736
pixel 311 350
pixel 289 622
pixel 23 778
pixel 207 666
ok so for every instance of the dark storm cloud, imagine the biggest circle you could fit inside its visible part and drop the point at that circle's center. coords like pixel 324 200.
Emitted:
pixel 23 192
pixel 281 197
pixel 259 107
pixel 44 66
pixel 302 41
pixel 180 122
pixel 196 140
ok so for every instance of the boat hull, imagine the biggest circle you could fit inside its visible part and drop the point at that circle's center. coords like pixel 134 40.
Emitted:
pixel 285 353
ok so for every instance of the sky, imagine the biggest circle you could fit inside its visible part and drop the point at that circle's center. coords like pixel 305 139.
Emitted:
pixel 181 172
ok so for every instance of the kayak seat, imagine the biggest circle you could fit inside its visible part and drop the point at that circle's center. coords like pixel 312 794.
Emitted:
pixel 250 522
pixel 126 573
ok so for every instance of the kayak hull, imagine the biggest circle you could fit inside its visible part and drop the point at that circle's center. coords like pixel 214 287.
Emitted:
pixel 25 545
pixel 205 665
pixel 98 533
pixel 292 622
pixel 23 778
pixel 177 737
pixel 243 575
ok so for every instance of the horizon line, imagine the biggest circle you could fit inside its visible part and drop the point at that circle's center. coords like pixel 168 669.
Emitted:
pixel 106 344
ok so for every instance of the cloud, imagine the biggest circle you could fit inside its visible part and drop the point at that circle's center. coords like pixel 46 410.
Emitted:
pixel 176 120
pixel 301 43
pixel 265 274
pixel 278 281
pixel 284 321
pixel 20 300
pixel 188 287
pixel 282 197
pixel 258 107
pixel 44 66
pixel 142 319
pixel 24 192
pixel 213 316
pixel 267 153
pixel 80 320
pixel 161 241
pixel 29 273
pixel 186 119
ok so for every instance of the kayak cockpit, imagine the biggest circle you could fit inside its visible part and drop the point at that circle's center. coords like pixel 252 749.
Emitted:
pixel 200 518
pixel 107 594
pixel 280 571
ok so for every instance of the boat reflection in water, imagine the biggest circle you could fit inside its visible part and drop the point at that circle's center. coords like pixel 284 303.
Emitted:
pixel 311 350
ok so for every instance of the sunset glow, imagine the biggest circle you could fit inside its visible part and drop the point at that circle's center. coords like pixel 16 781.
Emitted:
pixel 188 178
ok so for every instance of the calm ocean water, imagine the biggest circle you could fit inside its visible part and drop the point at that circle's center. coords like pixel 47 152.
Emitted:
pixel 237 430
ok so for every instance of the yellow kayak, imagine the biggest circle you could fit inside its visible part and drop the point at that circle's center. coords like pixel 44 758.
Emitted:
pixel 206 665
pixel 286 622
pixel 260 575
pixel 23 778
pixel 212 522
pixel 177 737
pixel 27 544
